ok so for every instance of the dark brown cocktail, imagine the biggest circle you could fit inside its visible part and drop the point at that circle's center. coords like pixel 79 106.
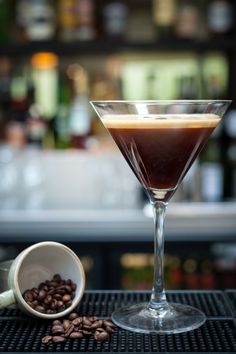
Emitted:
pixel 161 150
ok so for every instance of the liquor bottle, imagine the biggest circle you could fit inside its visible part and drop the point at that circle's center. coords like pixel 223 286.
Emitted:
pixel 175 273
pixel 62 136
pixel 36 20
pixel 15 129
pixel 80 112
pixel 230 166
pixel 220 17
pixel 5 80
pixel 67 19
pixel 207 278
pixel 115 14
pixel 139 27
pixel 164 17
pixel 191 274
pixel 45 80
pixel 4 20
pixel 188 88
pixel 212 175
pixel 188 18
pixel 36 127
pixel 214 87
pixel 86 29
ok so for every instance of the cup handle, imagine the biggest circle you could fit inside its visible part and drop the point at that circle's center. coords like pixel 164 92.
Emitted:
pixel 7 298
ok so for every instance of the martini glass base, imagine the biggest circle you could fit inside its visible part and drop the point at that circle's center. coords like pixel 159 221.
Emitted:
pixel 175 318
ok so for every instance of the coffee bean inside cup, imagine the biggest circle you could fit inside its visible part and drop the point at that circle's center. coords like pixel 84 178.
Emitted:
pixel 51 296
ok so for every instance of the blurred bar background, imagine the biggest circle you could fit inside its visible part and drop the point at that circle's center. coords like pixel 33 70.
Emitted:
pixel 61 176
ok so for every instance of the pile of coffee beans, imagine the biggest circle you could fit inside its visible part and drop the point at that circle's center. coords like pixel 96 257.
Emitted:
pixel 51 296
pixel 75 327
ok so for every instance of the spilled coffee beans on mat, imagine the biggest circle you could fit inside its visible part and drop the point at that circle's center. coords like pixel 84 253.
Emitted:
pixel 76 327
pixel 51 296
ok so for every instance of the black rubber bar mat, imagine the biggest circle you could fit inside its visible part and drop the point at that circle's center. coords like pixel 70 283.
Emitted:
pixel 19 333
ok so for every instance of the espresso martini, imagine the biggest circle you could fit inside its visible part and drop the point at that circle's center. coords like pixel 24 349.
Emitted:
pixel 160 148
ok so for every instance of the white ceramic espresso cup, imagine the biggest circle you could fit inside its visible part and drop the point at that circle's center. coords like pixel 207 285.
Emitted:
pixel 36 264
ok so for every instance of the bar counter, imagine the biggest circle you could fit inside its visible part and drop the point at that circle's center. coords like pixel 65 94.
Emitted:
pixel 185 222
pixel 19 333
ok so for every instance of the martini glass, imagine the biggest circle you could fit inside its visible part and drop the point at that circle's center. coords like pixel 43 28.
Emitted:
pixel 160 140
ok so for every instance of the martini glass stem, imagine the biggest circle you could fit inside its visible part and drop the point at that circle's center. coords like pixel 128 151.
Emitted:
pixel 158 300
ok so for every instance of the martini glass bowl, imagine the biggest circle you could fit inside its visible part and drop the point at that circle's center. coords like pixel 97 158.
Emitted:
pixel 160 140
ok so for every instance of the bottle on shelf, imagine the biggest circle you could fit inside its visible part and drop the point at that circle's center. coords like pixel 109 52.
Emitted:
pixel 220 17
pixel 188 87
pixel 139 26
pixel 67 19
pixel 212 174
pixel 35 20
pixel 36 127
pixel 86 28
pixel 214 87
pixel 45 80
pixel 62 136
pixel 230 166
pixel 188 20
pixel 191 273
pixel 15 128
pixel 5 20
pixel 5 98
pixel 164 17
pixel 115 16
pixel 80 111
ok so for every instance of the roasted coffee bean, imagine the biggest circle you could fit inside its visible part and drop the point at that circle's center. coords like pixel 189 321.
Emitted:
pixel 66 298
pixel 77 321
pixel 50 312
pixel 75 335
pixel 66 324
pixel 53 304
pixel 72 316
pixel 58 339
pixel 56 323
pixel 86 321
pixel 69 330
pixel 60 303
pixel 57 278
pixel 73 287
pixel 28 296
pixel 101 336
pixel 40 309
pixel 57 329
pixel 42 295
pixel 97 324
pixel 46 339
pixel 57 296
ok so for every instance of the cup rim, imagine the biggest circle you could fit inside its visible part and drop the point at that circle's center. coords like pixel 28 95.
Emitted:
pixel 75 301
